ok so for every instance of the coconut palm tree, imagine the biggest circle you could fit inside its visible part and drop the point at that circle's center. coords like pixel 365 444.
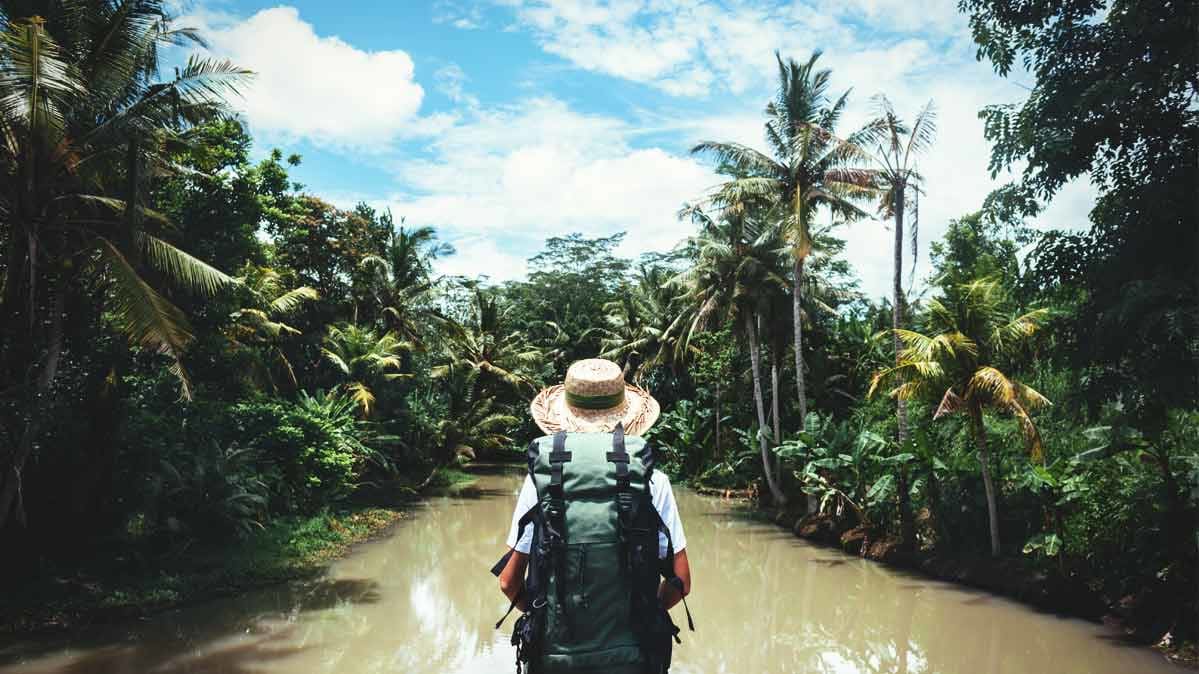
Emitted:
pixel 732 280
pixel 261 324
pixel 824 288
pixel 364 357
pixel 84 116
pixel 970 331
pixel 897 146
pixel 638 331
pixel 806 169
pixel 490 345
pixel 402 281
pixel 472 424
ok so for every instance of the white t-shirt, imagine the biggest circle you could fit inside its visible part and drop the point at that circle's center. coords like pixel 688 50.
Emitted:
pixel 659 490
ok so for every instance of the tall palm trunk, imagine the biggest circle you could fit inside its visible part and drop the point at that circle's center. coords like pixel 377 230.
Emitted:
pixel 797 315
pixel 751 334
pixel 774 394
pixel 907 524
pixel 797 321
pixel 984 460
pixel 774 407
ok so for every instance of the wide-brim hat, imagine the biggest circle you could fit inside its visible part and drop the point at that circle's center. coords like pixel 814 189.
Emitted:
pixel 593 399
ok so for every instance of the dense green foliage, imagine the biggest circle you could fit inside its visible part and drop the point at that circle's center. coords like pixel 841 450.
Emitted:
pixel 1050 380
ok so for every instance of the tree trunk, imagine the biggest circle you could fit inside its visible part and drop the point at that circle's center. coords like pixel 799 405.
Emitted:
pixel 774 395
pixel 751 334
pixel 797 314
pixel 984 461
pixel 11 498
pixel 774 411
pixel 907 523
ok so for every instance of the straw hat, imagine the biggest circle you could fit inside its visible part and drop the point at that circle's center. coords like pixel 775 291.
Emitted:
pixel 594 399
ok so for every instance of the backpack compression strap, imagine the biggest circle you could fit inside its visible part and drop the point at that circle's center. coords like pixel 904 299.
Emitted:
pixel 620 457
pixel 556 521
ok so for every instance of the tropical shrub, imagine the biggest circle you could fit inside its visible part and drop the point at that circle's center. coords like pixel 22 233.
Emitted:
pixel 314 445
pixel 210 492
pixel 680 437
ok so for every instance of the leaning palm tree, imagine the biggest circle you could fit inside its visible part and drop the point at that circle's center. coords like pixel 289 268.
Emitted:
pixel 261 325
pixel 808 168
pixel 969 333
pixel 898 145
pixel 84 118
pixel 731 280
pixel 363 357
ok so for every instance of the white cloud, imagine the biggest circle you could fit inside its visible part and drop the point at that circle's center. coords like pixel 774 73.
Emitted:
pixel 465 18
pixel 451 80
pixel 320 88
pixel 922 16
pixel 692 49
pixel 524 172
pixel 481 256
pixel 498 179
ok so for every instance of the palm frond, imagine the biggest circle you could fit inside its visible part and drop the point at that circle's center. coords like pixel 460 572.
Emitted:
pixel 995 385
pixel 146 317
pixel 950 403
pixel 1032 435
pixel 290 301
pixel 336 360
pixel 181 268
pixel 362 396
pixel 744 158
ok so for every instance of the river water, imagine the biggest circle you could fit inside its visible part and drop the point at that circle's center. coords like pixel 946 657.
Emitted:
pixel 421 601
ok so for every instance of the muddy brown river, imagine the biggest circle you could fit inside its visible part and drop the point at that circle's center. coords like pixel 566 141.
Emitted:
pixel 421 602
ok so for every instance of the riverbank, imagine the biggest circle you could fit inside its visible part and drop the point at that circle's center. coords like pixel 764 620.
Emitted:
pixel 123 582
pixel 1137 617
pixel 134 586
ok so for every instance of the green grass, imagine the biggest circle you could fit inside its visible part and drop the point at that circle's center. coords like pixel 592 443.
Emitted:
pixel 452 477
pixel 138 584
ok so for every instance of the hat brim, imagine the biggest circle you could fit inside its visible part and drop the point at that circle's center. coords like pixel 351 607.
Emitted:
pixel 552 413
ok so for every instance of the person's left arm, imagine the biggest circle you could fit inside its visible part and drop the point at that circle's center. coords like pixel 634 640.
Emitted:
pixel 512 578
pixel 513 574
pixel 668 593
pixel 668 509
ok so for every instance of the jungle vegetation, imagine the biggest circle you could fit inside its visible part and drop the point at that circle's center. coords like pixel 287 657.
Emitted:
pixel 193 345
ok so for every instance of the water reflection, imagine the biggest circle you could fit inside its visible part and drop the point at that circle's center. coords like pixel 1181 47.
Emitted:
pixel 765 602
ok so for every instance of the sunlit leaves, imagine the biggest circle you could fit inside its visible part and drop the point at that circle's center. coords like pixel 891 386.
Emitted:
pixel 959 362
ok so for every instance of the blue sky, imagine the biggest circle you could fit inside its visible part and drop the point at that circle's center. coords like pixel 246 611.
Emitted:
pixel 504 122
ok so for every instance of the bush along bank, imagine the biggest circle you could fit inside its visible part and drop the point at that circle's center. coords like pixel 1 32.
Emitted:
pixel 134 583
pixel 134 578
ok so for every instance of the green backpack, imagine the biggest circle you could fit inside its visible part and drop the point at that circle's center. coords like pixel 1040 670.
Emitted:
pixel 591 587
